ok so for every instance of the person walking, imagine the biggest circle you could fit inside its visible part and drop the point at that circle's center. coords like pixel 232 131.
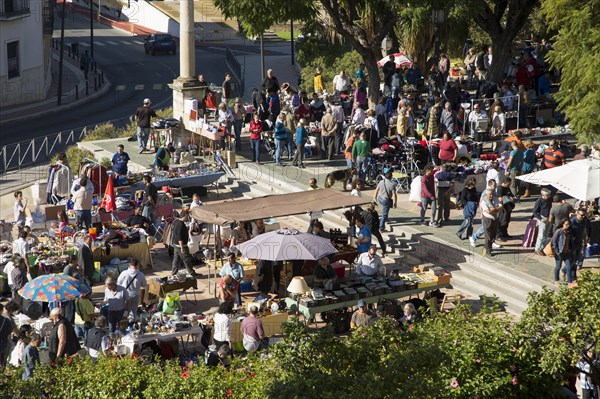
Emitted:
pixel 84 63
pixel 85 259
pixel 490 207
pixel 301 138
pixel 514 167
pixel 428 196
pixel 255 137
pixel 238 122
pixel 469 198
pixel 150 199
pixel 179 240
pixel 563 244
pixel 82 204
pixel 115 296
pixel 371 218
pixel 133 280
pixel 385 194
pixel 443 185
pixel 62 341
pixel 143 119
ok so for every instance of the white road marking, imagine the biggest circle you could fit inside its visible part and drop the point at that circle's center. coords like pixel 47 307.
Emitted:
pixel 128 43
pixel 120 87
pixel 157 86
pixel 138 87
pixel 112 43
pixel 138 42
pixel 100 44
pixel 85 44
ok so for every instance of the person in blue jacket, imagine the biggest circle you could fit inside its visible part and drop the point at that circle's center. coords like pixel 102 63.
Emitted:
pixel 301 139
pixel 280 133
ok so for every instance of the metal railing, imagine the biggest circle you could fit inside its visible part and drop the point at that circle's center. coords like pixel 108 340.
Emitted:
pixel 28 153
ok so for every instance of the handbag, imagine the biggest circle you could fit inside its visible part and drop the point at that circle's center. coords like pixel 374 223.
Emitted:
pixel 549 250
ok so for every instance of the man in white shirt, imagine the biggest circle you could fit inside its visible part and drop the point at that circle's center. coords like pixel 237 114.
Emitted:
pixel 494 173
pixel 21 246
pixel 490 207
pixel 369 264
pixel 475 116
pixel 341 83
pixel 9 267
pixel 133 280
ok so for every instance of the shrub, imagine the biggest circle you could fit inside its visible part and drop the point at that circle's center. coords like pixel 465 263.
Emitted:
pixel 106 163
pixel 75 156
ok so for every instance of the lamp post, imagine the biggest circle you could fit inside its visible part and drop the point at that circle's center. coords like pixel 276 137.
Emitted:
pixel 62 54
pixel 92 29
pixel 438 17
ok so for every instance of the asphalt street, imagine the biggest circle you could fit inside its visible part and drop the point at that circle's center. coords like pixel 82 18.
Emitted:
pixel 133 74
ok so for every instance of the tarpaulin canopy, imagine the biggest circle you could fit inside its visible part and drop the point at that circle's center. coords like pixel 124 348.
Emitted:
pixel 272 206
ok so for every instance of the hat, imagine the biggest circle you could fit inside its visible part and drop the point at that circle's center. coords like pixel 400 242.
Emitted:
pixel 387 170
pixel 147 101
pixel 362 303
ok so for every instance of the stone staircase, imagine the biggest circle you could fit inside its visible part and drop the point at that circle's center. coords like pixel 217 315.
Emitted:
pixel 408 247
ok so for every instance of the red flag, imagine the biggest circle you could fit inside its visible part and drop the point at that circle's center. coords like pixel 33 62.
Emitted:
pixel 108 202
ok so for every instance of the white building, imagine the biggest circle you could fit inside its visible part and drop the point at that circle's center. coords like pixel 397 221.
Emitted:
pixel 25 44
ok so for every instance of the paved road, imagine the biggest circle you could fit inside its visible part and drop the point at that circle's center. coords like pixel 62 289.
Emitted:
pixel 134 76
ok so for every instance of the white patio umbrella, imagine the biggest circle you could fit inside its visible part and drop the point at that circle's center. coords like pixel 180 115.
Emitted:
pixel 286 244
pixel 400 59
pixel 579 179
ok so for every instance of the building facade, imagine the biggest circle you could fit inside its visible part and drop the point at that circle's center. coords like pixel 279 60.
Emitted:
pixel 25 50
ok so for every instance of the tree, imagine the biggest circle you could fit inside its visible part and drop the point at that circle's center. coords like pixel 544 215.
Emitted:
pixel 502 20
pixel 364 24
pixel 575 53
pixel 561 328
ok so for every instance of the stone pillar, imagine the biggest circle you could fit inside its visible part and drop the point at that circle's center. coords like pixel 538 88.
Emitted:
pixel 186 86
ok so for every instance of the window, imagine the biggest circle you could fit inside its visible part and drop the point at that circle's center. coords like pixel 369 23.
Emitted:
pixel 12 56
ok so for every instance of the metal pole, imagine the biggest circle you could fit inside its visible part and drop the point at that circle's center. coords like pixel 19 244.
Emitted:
pixel 292 38
pixel 262 59
pixel 92 29
pixel 62 53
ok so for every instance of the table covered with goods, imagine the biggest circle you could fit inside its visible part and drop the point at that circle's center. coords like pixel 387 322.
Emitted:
pixel 372 290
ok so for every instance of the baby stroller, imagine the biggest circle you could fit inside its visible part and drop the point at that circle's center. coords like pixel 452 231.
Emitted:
pixel 268 139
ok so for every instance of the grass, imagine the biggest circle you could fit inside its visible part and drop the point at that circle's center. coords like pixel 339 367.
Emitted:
pixel 285 34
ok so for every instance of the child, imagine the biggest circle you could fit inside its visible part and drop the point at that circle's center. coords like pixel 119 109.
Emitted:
pixel 196 201
pixel 508 201
pixel 19 209
pixel 301 138
pixel 31 356
pixel 312 184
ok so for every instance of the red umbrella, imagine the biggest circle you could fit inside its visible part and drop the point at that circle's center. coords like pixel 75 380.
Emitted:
pixel 108 202
pixel 400 59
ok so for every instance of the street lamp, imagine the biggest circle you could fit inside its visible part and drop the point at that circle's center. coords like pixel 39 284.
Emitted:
pixel 92 29
pixel 438 17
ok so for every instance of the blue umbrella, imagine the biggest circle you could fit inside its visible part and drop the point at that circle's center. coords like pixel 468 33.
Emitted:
pixel 54 288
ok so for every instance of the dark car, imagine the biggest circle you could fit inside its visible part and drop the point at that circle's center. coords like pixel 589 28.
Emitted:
pixel 160 42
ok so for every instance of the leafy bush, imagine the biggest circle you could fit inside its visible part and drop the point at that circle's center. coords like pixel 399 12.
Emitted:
pixel 108 131
pixel 74 157
pixel 106 162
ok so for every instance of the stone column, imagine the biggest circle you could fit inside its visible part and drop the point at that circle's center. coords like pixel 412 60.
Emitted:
pixel 186 86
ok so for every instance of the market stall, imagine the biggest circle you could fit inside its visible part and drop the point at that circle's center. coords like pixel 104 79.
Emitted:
pixel 139 251
pixel 158 288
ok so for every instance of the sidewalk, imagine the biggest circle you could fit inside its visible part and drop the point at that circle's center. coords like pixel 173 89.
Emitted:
pixel 74 91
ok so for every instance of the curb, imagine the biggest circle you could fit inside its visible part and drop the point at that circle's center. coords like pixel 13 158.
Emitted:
pixel 81 101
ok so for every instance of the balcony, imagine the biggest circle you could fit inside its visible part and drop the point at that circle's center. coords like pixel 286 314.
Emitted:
pixel 14 9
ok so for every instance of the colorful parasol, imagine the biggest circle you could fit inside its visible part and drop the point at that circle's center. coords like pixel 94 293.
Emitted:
pixel 400 59
pixel 54 288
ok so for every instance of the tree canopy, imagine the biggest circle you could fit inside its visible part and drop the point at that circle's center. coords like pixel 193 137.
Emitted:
pixel 575 52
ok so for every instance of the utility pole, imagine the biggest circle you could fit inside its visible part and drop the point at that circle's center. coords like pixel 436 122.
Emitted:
pixel 262 59
pixel 292 38
pixel 92 29
pixel 62 52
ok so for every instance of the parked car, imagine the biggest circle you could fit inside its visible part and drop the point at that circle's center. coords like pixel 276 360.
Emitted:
pixel 160 42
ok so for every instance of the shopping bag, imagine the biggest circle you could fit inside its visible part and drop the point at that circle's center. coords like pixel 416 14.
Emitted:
pixel 531 232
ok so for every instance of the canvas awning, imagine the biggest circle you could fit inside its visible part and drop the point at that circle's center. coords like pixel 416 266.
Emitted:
pixel 272 206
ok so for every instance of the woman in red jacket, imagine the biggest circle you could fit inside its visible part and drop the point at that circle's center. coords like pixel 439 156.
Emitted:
pixel 448 149
pixel 255 131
